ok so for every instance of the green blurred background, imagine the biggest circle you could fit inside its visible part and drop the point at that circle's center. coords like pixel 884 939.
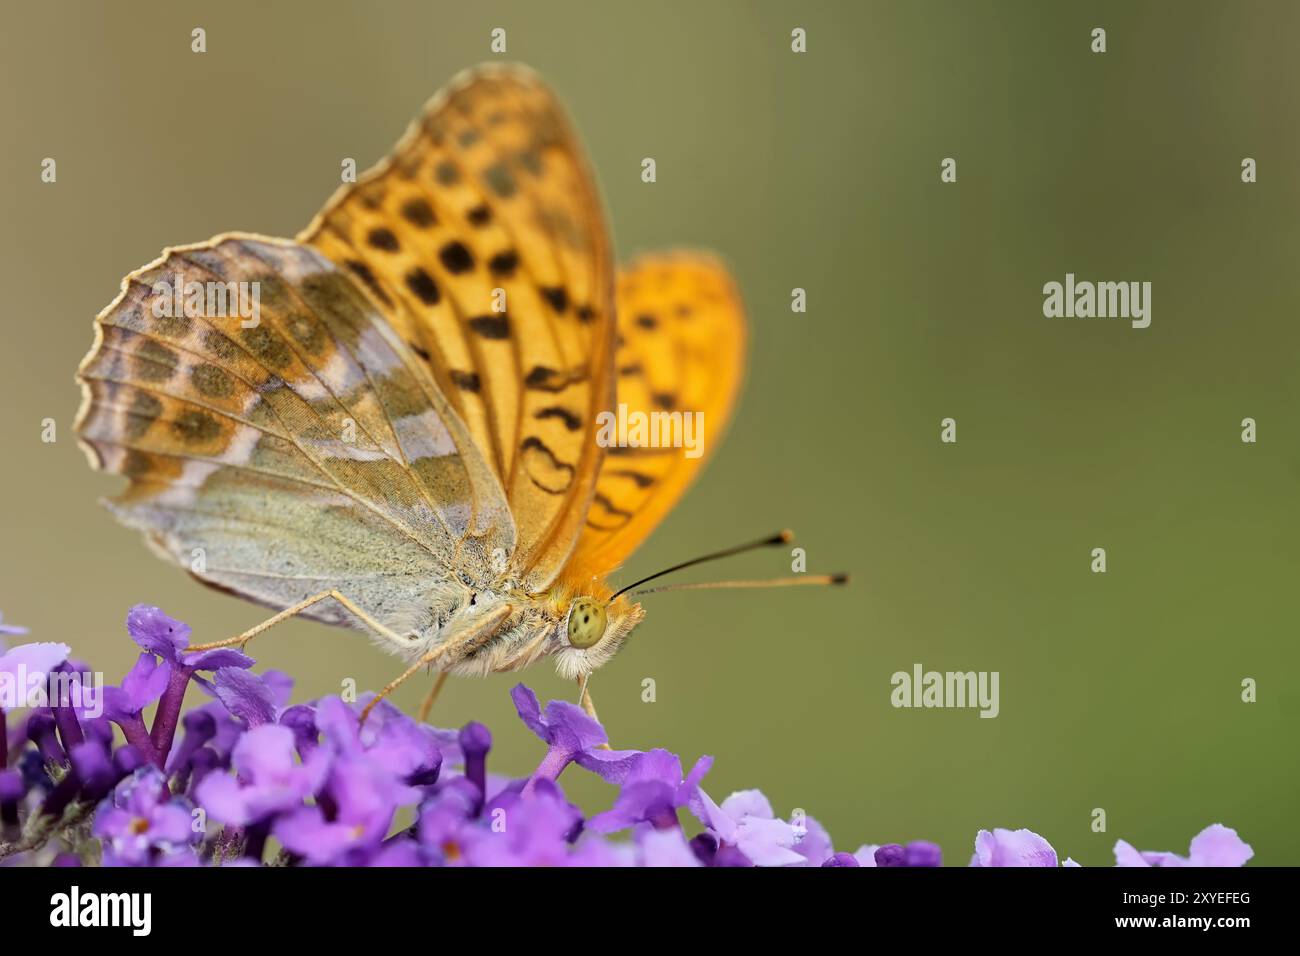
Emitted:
pixel 820 170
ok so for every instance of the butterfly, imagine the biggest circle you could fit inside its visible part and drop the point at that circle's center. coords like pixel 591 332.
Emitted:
pixel 402 434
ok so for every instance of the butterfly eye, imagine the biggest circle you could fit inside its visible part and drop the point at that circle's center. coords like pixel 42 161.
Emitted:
pixel 586 623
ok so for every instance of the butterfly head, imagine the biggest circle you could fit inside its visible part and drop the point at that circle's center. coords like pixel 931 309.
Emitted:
pixel 591 632
pixel 585 623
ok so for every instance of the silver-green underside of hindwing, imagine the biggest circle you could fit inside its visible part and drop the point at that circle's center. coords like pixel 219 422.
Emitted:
pixel 308 452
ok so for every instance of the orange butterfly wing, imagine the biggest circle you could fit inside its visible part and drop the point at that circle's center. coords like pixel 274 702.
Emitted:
pixel 482 241
pixel 680 347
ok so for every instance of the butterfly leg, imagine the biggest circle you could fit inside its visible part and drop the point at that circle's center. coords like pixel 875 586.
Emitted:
pixel 242 639
pixel 398 681
pixel 584 698
pixel 478 631
pixel 434 691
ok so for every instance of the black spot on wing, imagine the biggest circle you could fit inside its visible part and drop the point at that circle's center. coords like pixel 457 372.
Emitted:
pixel 503 264
pixel 542 378
pixel 556 296
pixel 466 381
pixel 381 238
pixel 491 326
pixel 534 444
pixel 418 213
pixel 456 258
pixel 422 284
pixel 610 507
pixel 641 479
pixel 571 420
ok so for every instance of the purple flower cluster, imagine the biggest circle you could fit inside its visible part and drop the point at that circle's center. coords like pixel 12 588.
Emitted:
pixel 254 780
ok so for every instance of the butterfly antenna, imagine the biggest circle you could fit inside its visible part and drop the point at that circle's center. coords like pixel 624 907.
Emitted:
pixel 781 537
pixel 794 582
